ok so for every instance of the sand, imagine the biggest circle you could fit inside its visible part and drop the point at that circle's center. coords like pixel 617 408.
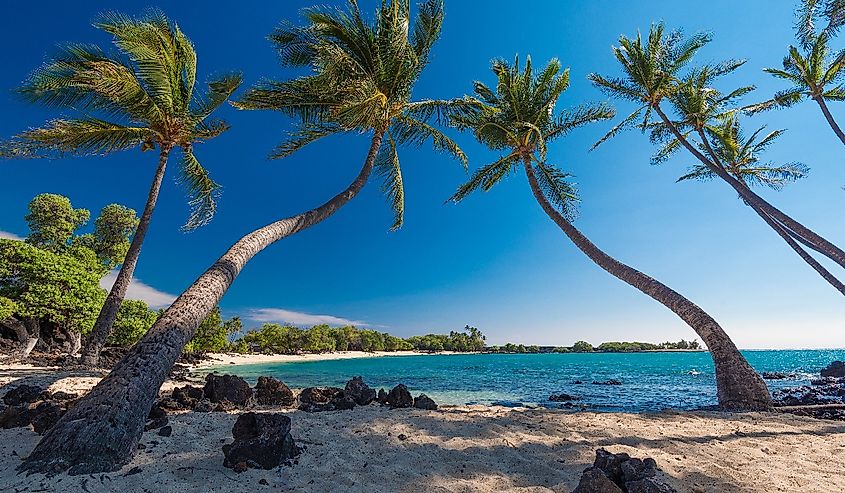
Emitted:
pixel 463 449
pixel 218 359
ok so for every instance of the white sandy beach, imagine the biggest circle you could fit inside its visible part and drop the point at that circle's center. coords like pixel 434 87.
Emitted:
pixel 462 449
pixel 218 359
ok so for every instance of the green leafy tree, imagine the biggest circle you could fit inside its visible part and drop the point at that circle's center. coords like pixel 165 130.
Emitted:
pixel 362 76
pixel 144 97
pixel 519 119
pixel 212 336
pixel 113 230
pixel 46 287
pixel 52 221
pixel 133 320
pixel 582 347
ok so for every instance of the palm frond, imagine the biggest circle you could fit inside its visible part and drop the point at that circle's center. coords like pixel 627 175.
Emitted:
pixel 486 177
pixel 407 130
pixel 578 117
pixel 84 137
pixel 202 191
pixel 556 186
pixel 303 136
pixel 387 167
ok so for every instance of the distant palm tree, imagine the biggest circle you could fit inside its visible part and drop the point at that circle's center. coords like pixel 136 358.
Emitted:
pixel 705 113
pixel 518 119
pixel 650 70
pixel 813 73
pixel 361 81
pixel 145 97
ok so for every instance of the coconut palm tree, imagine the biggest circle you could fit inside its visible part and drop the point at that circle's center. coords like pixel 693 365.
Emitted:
pixel 144 96
pixel 705 113
pixel 518 119
pixel 650 75
pixel 361 78
pixel 813 72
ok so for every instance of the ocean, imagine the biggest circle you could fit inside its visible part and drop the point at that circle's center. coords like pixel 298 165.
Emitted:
pixel 650 381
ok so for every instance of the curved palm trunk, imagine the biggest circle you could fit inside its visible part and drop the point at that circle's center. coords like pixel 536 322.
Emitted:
pixel 101 432
pixel 780 230
pixel 108 313
pixel 811 238
pixel 829 118
pixel 738 386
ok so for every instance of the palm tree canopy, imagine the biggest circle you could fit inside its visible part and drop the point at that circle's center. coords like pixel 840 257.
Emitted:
pixel 362 74
pixel 696 103
pixel 740 156
pixel 518 118
pixel 812 71
pixel 143 95
pixel 649 71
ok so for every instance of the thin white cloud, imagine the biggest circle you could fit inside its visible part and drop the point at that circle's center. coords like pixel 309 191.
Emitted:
pixel 140 291
pixel 297 318
pixel 9 236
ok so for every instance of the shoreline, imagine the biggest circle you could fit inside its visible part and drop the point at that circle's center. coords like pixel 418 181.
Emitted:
pixel 214 360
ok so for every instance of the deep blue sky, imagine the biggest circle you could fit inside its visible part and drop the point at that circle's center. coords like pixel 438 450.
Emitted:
pixel 494 261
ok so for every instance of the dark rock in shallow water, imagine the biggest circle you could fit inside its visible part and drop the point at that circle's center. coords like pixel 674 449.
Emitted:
pixel 399 397
pixel 835 369
pixel 45 415
pixel 382 397
pixel 230 388
pixel 318 399
pixel 776 375
pixel 562 397
pixel 272 392
pixel 262 440
pixel 577 382
pixel 425 402
pixel 623 473
pixel 23 394
pixel 360 392
pixel 165 431
pixel 612 381
pixel 595 481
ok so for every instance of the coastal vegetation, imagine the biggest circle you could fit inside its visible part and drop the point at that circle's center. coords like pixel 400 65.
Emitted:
pixel 143 97
pixel 357 77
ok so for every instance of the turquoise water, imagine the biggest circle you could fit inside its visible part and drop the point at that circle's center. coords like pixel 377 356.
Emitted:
pixel 651 381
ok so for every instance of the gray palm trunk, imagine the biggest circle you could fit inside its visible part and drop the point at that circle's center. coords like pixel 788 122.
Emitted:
pixel 101 432
pixel 796 229
pixel 829 117
pixel 108 313
pixel 738 386
pixel 779 229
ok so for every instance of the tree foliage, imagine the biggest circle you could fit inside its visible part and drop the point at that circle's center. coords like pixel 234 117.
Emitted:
pixel 361 76
pixel 133 320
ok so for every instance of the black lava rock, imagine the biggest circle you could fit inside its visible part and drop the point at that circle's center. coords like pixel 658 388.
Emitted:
pixel 425 402
pixel 23 394
pixel 399 397
pixel 229 388
pixel 272 392
pixel 359 391
pixel 262 440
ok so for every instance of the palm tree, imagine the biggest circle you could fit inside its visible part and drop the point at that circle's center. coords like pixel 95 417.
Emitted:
pixel 706 113
pixel 143 96
pixel 361 78
pixel 813 73
pixel 518 119
pixel 651 75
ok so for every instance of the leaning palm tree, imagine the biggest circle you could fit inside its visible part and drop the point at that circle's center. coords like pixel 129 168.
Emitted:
pixel 518 119
pixel 704 113
pixel 361 78
pixel 651 69
pixel 813 72
pixel 143 96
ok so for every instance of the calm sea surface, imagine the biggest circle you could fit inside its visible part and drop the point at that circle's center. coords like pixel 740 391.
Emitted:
pixel 650 381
